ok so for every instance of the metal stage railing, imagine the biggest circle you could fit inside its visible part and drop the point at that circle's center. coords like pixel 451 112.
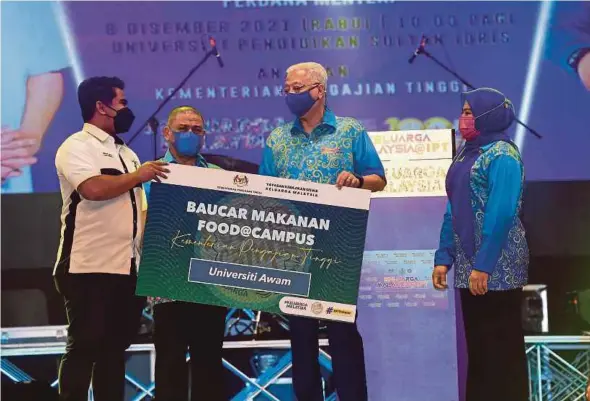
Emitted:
pixel 558 365
pixel 50 340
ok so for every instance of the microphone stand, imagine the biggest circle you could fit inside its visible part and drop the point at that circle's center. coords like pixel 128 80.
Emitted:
pixel 421 50
pixel 152 117
pixel 154 126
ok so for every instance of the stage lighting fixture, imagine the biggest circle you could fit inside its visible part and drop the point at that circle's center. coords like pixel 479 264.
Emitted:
pixel 535 319
pixel 263 361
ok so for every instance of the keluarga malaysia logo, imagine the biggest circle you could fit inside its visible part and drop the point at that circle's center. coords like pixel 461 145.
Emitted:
pixel 296 305
pixel 240 180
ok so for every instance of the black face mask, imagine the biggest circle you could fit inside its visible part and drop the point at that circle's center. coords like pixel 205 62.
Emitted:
pixel 123 119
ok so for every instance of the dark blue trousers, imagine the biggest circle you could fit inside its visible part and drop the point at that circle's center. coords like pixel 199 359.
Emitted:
pixel 348 360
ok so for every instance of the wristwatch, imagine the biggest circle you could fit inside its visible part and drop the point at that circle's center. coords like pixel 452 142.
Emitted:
pixel 360 178
pixel 576 57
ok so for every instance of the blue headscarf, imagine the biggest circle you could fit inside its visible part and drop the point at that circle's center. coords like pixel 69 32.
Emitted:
pixel 493 114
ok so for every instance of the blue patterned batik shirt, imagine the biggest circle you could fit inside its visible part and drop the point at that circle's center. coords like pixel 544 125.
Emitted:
pixel 337 144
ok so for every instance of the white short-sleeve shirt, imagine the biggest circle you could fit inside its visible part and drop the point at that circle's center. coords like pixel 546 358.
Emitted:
pixel 97 236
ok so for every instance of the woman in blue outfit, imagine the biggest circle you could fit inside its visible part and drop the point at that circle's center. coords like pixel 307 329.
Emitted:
pixel 483 238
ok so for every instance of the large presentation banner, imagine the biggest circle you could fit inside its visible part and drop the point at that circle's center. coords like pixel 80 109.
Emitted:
pixel 248 241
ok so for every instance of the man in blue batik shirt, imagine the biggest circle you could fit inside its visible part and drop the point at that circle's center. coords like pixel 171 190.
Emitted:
pixel 182 326
pixel 323 148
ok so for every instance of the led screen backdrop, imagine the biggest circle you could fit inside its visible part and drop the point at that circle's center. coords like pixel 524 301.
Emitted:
pixel 521 48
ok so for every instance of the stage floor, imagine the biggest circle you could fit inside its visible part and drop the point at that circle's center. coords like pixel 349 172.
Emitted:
pixel 558 365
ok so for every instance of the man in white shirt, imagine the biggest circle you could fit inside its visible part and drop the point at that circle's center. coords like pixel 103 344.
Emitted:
pixel 101 186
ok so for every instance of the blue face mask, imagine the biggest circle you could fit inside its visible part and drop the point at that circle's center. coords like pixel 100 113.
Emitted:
pixel 187 143
pixel 300 103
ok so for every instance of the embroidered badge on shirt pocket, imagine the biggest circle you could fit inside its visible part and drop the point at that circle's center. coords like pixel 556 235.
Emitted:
pixel 330 151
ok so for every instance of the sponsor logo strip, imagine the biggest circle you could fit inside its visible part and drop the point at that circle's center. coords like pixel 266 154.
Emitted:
pixel 318 309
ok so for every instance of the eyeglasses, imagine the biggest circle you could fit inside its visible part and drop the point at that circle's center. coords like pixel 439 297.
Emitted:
pixel 299 88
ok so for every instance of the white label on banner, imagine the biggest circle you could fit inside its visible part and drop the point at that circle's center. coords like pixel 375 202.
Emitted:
pixel 318 309
pixel 270 187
